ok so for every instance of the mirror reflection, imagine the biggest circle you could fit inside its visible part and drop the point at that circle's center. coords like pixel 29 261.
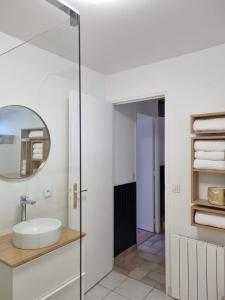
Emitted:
pixel 24 142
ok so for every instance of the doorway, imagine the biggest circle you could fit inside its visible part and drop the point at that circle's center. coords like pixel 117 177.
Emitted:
pixel 139 191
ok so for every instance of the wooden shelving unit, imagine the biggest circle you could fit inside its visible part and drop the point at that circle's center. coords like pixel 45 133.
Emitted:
pixel 27 142
pixel 207 116
pixel 207 210
pixel 199 204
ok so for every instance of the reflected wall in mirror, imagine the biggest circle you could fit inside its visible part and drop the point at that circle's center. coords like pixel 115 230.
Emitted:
pixel 24 142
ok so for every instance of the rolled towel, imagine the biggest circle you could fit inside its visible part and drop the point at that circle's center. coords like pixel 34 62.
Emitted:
pixel 203 218
pixel 38 146
pixel 210 124
pixel 209 164
pixel 23 169
pixel 37 156
pixel 36 134
pixel 209 145
pixel 206 155
pixel 38 151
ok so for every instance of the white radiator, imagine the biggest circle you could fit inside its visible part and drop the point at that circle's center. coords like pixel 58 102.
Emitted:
pixel 197 269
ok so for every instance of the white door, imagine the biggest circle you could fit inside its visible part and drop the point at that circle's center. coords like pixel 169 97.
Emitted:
pixel 97 202
pixel 145 172
pixel 74 161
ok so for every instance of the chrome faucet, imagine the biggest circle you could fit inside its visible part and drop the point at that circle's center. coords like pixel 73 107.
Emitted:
pixel 24 200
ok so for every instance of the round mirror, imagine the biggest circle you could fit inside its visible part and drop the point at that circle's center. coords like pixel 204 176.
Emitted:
pixel 24 142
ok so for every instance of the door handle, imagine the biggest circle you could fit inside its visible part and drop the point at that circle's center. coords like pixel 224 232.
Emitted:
pixel 75 194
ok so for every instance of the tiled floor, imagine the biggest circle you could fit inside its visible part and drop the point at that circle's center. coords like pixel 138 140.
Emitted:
pixel 145 262
pixel 143 235
pixel 116 286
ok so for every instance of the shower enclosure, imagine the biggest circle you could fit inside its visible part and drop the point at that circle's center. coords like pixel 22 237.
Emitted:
pixel 40 134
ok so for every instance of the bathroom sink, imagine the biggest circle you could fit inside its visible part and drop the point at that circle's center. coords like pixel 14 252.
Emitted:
pixel 37 233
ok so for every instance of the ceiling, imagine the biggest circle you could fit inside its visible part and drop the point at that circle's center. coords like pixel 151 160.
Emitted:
pixel 121 34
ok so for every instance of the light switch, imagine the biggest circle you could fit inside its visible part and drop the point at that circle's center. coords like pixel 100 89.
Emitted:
pixel 176 188
pixel 47 193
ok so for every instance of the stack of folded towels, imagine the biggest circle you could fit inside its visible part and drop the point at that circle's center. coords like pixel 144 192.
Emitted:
pixel 210 124
pixel 36 134
pixel 37 151
pixel 209 154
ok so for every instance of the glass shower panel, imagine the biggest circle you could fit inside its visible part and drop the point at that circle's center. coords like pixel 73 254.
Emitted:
pixel 40 138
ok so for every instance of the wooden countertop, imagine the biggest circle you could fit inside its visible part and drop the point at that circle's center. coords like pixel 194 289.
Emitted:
pixel 14 257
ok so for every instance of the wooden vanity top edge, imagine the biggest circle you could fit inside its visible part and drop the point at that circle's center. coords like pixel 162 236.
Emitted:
pixel 14 257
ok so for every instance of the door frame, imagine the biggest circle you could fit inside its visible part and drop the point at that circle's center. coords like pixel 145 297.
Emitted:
pixel 153 96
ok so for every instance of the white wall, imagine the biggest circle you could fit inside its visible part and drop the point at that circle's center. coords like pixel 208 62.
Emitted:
pixel 124 143
pixel 192 83
pixel 38 79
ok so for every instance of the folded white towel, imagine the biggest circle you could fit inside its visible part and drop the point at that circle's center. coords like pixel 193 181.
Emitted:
pixel 38 146
pixel 37 156
pixel 209 164
pixel 206 155
pixel 23 169
pixel 209 145
pixel 210 220
pixel 36 134
pixel 209 124
pixel 38 151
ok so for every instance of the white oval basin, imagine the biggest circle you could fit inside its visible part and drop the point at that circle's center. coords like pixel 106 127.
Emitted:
pixel 37 233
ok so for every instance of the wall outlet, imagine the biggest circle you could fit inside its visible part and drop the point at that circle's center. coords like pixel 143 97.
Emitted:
pixel 176 188
pixel 47 193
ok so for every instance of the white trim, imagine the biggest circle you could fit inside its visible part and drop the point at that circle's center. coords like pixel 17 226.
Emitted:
pixel 153 96
pixel 69 6
pixel 62 287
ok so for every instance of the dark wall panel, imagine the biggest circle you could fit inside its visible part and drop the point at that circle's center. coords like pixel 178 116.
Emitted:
pixel 124 217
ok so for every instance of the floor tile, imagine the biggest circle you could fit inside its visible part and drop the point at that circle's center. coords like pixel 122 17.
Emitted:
pixel 113 280
pixel 159 245
pixel 133 289
pixel 114 296
pixel 156 276
pixel 143 235
pixel 157 295
pixel 138 273
pixel 120 270
pixel 156 237
pixel 96 293
pixel 154 284
pixel 148 249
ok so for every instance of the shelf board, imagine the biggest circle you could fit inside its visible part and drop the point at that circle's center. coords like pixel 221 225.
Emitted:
pixel 210 210
pixel 34 159
pixel 209 137
pixel 207 204
pixel 208 171
pixel 209 132
pixel 208 115
pixel 208 227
